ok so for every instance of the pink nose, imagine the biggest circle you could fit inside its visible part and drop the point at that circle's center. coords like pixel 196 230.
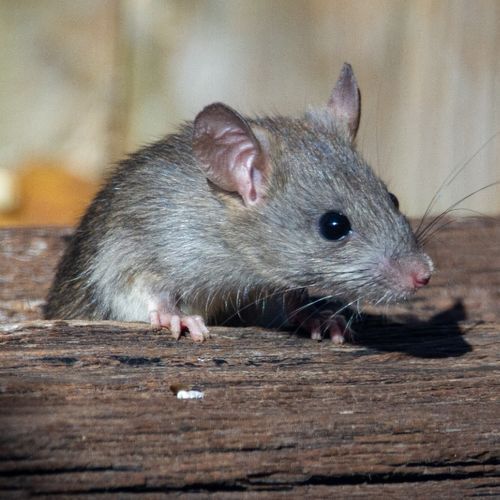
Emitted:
pixel 420 279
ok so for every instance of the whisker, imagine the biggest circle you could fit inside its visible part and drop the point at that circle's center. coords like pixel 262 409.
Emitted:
pixel 451 177
pixel 454 205
pixel 255 302
pixel 436 230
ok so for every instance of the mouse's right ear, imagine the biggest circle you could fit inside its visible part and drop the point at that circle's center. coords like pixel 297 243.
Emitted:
pixel 230 153
pixel 345 102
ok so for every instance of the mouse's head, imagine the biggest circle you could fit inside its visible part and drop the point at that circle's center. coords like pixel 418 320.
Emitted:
pixel 305 210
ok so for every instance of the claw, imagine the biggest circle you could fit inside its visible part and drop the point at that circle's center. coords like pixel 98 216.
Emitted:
pixel 315 329
pixel 154 319
pixel 175 326
pixel 194 327
pixel 338 330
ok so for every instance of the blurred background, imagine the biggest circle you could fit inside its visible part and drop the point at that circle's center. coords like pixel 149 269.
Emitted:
pixel 83 82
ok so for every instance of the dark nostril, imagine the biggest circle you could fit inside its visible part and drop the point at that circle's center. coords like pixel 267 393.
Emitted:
pixel 420 281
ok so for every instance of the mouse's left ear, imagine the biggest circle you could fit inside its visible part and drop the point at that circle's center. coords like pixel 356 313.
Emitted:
pixel 345 102
pixel 230 153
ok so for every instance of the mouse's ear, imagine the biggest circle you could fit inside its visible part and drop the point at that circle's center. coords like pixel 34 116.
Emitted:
pixel 230 153
pixel 345 102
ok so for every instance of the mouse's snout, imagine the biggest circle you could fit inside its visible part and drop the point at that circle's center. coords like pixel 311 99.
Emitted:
pixel 406 274
pixel 420 278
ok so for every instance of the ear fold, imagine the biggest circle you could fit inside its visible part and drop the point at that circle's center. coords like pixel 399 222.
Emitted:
pixel 230 153
pixel 345 102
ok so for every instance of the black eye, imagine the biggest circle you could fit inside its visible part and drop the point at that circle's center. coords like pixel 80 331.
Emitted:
pixel 394 200
pixel 334 226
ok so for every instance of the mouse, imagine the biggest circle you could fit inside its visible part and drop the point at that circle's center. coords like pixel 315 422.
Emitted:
pixel 231 209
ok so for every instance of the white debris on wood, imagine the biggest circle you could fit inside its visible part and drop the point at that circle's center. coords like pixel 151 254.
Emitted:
pixel 183 394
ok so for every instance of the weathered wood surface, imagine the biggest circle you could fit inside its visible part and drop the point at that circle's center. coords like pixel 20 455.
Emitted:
pixel 412 408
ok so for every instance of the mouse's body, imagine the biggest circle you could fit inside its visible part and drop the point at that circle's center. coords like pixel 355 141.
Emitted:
pixel 191 227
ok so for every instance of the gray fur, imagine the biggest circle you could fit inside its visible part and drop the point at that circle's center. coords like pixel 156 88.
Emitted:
pixel 158 228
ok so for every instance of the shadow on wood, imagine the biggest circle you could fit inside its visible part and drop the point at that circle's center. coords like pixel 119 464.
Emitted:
pixel 442 336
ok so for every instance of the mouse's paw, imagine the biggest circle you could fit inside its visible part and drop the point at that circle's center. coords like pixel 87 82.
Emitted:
pixel 318 322
pixel 338 330
pixel 325 324
pixel 177 323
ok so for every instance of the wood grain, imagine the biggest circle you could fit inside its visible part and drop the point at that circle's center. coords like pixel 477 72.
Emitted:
pixel 411 408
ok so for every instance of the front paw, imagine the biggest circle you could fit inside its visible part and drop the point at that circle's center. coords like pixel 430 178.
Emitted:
pixel 321 324
pixel 338 329
pixel 177 323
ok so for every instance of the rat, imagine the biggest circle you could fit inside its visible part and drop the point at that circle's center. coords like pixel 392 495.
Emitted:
pixel 231 209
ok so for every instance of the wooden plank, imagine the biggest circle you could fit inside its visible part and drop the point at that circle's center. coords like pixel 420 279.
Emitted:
pixel 86 409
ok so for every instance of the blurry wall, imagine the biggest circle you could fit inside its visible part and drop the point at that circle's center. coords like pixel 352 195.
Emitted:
pixel 84 81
